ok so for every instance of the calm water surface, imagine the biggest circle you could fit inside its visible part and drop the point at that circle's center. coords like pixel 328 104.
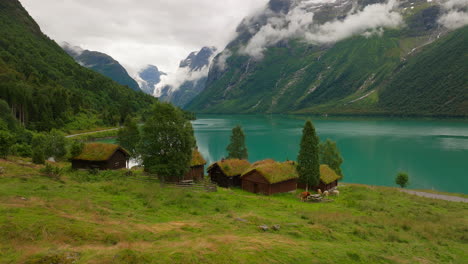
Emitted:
pixel 434 153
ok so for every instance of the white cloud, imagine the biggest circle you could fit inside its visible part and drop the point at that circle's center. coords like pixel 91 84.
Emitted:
pixel 299 23
pixel 137 33
pixel 455 15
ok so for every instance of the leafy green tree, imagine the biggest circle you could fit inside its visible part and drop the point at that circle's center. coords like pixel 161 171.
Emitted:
pixel 237 149
pixel 166 143
pixel 308 165
pixel 402 179
pixel 76 147
pixel 38 149
pixel 129 136
pixel 330 155
pixel 6 142
pixel 56 144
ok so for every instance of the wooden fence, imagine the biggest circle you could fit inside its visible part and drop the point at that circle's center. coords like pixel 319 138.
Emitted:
pixel 205 185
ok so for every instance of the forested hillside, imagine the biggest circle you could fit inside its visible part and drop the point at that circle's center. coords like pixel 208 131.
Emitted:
pixel 417 68
pixel 46 88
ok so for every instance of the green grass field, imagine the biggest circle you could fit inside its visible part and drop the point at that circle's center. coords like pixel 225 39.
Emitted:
pixel 109 218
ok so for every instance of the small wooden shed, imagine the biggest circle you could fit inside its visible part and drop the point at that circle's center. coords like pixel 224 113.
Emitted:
pixel 226 173
pixel 328 179
pixel 101 156
pixel 197 167
pixel 270 177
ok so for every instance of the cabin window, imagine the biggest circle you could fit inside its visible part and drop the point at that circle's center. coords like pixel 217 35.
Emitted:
pixel 116 164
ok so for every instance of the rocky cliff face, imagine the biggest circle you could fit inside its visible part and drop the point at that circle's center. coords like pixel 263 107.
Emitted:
pixel 148 78
pixel 189 80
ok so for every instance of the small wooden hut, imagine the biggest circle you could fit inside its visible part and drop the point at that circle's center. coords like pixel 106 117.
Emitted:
pixel 101 156
pixel 328 179
pixel 226 173
pixel 197 167
pixel 269 177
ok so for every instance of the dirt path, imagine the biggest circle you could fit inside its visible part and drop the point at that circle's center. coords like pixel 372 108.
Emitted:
pixel 437 196
pixel 87 133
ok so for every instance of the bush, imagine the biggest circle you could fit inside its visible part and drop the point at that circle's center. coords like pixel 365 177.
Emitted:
pixel 38 149
pixel 402 179
pixel 51 172
pixel 21 150
pixel 6 141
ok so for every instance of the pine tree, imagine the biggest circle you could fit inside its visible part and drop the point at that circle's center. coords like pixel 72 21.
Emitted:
pixel 330 155
pixel 129 136
pixel 308 166
pixel 237 149
pixel 167 142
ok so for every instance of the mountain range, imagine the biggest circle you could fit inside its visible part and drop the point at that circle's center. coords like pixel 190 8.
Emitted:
pixel 101 63
pixel 344 57
pixel 148 78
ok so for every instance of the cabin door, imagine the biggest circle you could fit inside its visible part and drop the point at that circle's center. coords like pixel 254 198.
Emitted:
pixel 255 188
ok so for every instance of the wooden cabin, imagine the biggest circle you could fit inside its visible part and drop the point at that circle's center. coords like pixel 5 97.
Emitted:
pixel 226 173
pixel 197 167
pixel 269 177
pixel 101 156
pixel 328 179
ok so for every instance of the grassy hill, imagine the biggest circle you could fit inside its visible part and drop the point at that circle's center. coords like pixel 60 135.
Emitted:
pixel 415 70
pixel 110 218
pixel 46 88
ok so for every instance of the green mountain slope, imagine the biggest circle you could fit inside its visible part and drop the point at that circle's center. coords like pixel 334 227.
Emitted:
pixel 45 87
pixel 417 69
pixel 103 64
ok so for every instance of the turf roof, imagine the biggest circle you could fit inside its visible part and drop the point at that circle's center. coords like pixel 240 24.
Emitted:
pixel 98 151
pixel 197 158
pixel 327 174
pixel 232 167
pixel 274 172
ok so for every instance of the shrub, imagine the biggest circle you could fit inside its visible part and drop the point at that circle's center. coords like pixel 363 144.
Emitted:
pixel 51 171
pixel 22 150
pixel 6 141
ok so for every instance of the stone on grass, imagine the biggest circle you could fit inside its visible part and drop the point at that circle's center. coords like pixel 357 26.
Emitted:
pixel 263 228
pixel 276 227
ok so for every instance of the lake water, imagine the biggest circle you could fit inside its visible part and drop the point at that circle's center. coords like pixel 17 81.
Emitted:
pixel 434 153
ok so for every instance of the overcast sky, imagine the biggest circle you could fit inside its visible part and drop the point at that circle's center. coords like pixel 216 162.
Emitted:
pixel 137 33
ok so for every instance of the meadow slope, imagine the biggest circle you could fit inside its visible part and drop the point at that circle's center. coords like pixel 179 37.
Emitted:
pixel 110 218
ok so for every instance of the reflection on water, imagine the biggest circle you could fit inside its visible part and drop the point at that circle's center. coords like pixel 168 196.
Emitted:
pixel 434 153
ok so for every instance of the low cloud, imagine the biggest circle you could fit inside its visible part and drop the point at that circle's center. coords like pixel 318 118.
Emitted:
pixel 299 23
pixel 221 61
pixel 455 15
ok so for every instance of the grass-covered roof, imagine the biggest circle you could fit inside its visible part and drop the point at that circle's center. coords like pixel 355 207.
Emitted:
pixel 327 174
pixel 232 167
pixel 197 158
pixel 98 151
pixel 274 172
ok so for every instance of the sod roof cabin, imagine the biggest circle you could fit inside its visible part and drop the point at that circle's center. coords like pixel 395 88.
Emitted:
pixel 197 167
pixel 270 177
pixel 328 179
pixel 101 156
pixel 226 173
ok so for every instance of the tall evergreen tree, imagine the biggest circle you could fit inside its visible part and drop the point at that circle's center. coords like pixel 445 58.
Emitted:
pixel 129 136
pixel 308 166
pixel 330 155
pixel 237 149
pixel 167 142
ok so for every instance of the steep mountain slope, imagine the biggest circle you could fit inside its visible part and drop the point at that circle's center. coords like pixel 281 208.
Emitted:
pixel 337 58
pixel 101 63
pixel 45 87
pixel 148 78
pixel 190 78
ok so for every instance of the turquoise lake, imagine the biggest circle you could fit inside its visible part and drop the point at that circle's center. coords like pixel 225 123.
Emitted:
pixel 433 152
